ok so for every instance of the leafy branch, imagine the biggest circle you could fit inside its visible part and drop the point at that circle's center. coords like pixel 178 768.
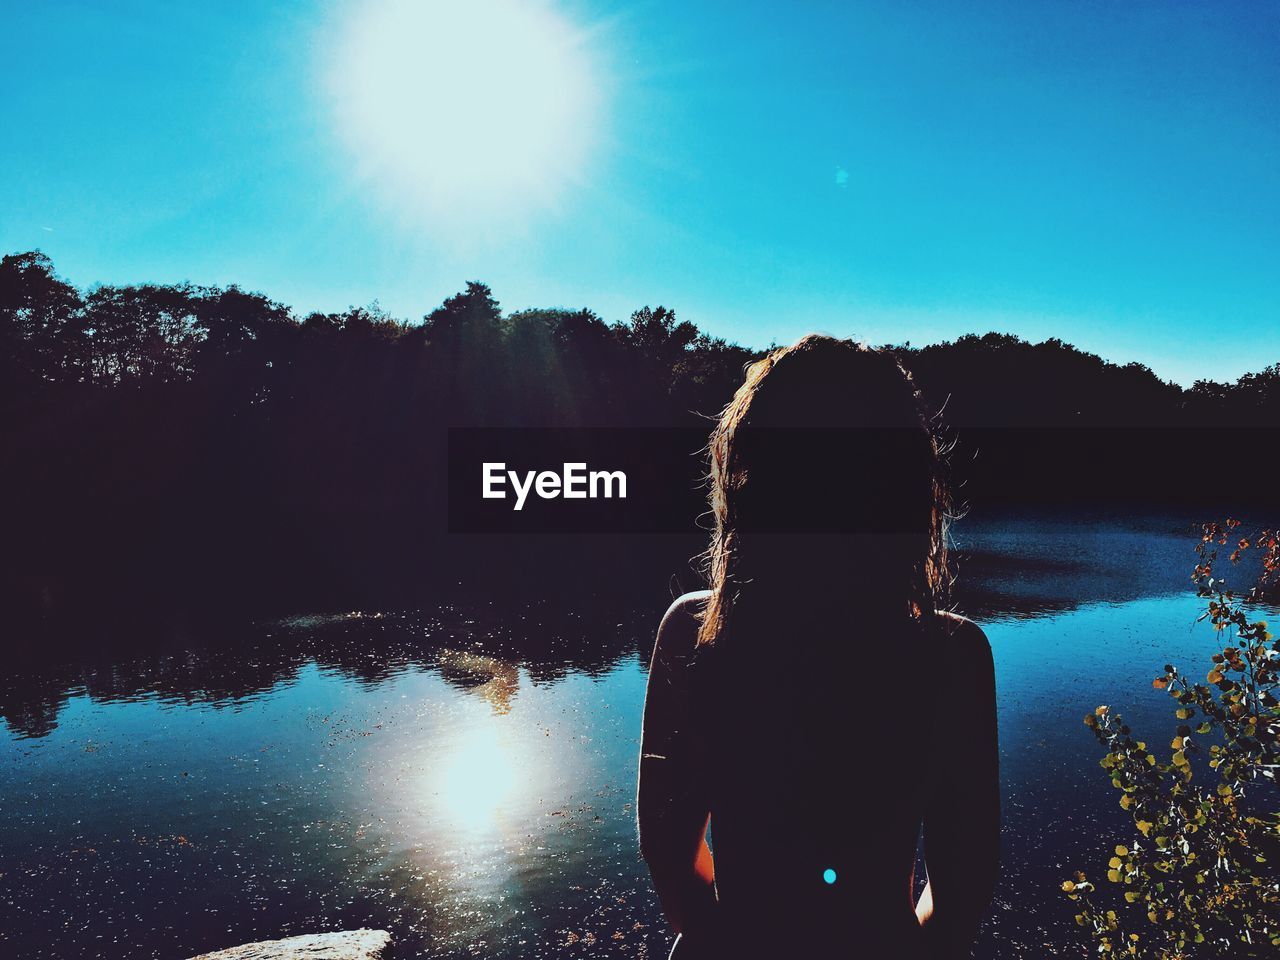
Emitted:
pixel 1200 879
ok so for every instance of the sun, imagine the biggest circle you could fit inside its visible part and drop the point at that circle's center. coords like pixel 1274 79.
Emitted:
pixel 465 111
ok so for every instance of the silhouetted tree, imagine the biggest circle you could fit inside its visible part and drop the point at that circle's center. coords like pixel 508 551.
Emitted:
pixel 39 318
pixel 140 335
pixel 465 337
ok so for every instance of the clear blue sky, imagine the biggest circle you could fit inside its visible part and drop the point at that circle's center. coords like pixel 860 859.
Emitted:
pixel 1104 172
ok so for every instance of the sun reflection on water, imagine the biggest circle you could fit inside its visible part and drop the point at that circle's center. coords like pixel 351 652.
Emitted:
pixel 476 779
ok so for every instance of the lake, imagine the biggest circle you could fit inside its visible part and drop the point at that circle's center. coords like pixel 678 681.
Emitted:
pixel 465 776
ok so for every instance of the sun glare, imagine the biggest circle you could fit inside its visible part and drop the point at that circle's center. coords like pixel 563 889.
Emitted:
pixel 475 780
pixel 470 111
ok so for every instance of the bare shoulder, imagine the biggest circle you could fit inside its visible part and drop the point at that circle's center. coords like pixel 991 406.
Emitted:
pixel 678 631
pixel 686 608
pixel 958 625
pixel 965 641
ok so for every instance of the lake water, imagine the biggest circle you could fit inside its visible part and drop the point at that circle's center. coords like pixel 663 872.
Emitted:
pixel 465 778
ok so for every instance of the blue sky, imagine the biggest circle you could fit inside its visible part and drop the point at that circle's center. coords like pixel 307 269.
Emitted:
pixel 1108 173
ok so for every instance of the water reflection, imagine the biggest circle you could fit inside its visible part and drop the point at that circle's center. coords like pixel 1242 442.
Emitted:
pixel 494 681
pixel 477 777
pixel 230 666
pixel 464 776
pixel 1017 565
pixel 1030 563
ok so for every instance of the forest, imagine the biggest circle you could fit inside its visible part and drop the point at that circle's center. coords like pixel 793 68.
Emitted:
pixel 181 443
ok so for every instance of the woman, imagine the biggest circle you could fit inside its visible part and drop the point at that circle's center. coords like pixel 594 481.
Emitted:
pixel 817 707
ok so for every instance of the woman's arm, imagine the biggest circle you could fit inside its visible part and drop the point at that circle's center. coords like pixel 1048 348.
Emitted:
pixel 672 810
pixel 962 821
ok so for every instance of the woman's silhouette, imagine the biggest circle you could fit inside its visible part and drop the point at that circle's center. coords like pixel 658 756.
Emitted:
pixel 817 706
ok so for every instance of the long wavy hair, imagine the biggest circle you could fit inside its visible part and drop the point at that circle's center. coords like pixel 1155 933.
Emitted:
pixel 826 474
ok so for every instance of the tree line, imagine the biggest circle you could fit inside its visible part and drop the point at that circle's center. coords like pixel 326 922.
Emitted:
pixel 468 362
pixel 159 434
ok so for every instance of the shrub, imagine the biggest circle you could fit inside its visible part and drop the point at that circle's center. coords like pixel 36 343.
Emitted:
pixel 1200 878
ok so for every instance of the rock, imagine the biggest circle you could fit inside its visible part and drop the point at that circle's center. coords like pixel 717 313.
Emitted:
pixel 343 945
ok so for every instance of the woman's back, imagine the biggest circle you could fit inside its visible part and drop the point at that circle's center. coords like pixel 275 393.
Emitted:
pixel 818 769
pixel 809 801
